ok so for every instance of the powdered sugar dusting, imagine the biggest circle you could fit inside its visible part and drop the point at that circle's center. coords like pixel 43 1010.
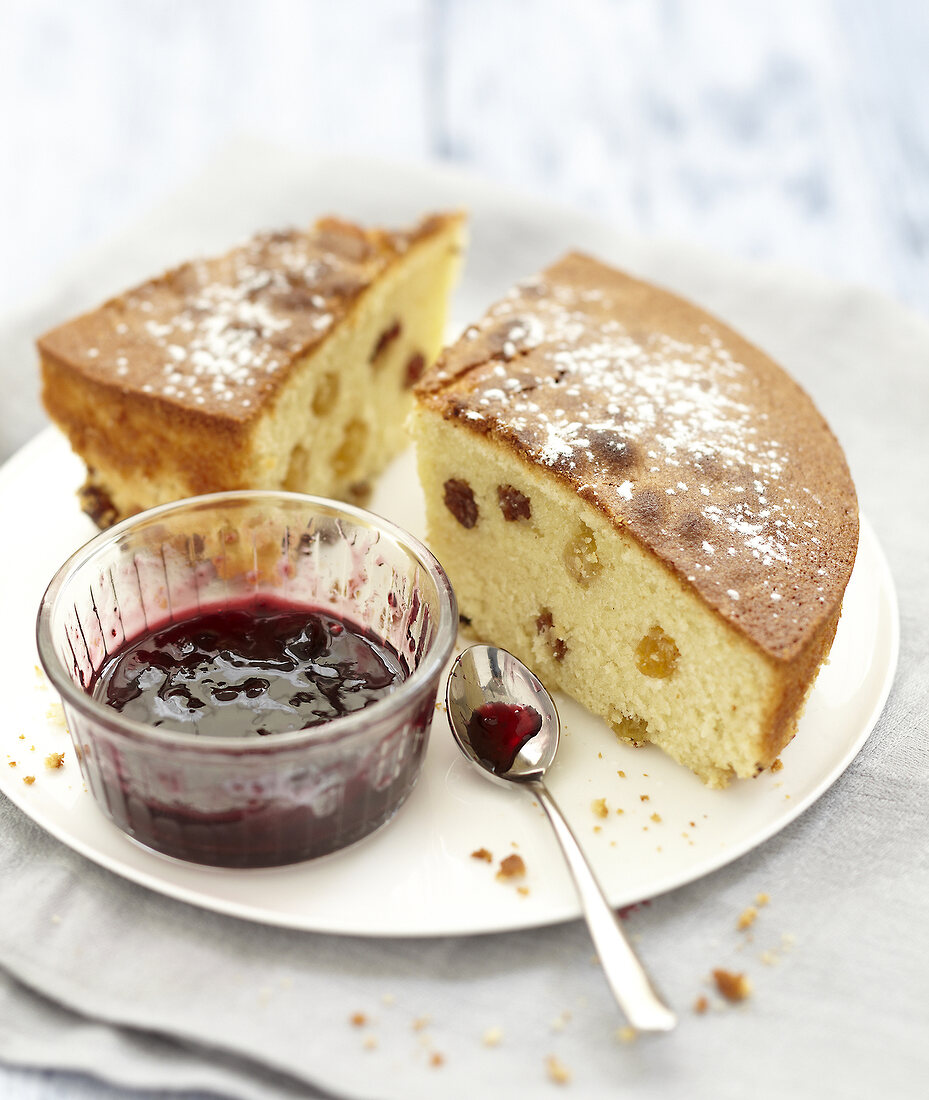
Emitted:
pixel 669 433
pixel 224 333
pixel 601 391
pixel 216 333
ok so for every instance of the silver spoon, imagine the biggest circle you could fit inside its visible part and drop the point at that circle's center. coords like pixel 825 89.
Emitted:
pixel 485 675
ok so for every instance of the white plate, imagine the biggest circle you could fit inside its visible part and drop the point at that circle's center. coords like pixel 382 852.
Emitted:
pixel 416 877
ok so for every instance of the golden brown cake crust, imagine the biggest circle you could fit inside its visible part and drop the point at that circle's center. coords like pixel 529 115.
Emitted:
pixel 679 431
pixel 215 338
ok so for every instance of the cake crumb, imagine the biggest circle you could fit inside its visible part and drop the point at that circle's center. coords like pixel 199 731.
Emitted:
pixel 656 818
pixel 620 810
pixel 621 774
pixel 747 918
pixel 29 780
pixel 436 1059
pixel 523 891
pixel 643 798
pixel 557 1070
pixel 54 760
pixel 12 764
pixel 22 737
pixel 492 1037
pixel 734 987
pixel 701 1004
pixel 358 1019
pixel 56 714
pixel 421 1023
pixel 627 1034
pixel 598 807
pixel 511 867
pixel 769 958
pixel 777 765
pixel 761 900
pixel 482 853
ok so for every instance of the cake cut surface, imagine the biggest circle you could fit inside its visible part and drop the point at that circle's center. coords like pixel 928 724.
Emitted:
pixel 285 363
pixel 643 506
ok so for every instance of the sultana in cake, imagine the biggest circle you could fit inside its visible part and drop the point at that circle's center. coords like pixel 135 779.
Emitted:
pixel 643 507
pixel 286 363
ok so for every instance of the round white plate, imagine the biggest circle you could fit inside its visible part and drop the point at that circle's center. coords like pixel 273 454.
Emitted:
pixel 417 876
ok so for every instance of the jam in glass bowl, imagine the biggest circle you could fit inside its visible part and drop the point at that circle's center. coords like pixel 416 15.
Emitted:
pixel 249 678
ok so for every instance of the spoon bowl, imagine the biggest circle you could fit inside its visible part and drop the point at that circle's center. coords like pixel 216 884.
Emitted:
pixel 485 675
pixel 506 723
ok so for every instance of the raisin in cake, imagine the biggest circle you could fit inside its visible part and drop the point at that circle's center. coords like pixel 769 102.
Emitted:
pixel 643 507
pixel 285 363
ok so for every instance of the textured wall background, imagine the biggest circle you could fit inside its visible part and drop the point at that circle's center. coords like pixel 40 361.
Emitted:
pixel 794 131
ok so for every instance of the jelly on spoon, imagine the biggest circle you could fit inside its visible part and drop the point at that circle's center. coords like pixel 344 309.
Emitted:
pixel 506 723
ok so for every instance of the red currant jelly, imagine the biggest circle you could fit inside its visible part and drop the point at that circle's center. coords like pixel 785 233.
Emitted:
pixel 248 671
pixel 497 731
pixel 253 672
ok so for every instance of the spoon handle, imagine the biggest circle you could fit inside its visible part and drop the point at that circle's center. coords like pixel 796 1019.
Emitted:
pixel 631 987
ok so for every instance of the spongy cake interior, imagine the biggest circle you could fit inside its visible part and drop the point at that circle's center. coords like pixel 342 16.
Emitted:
pixel 576 598
pixel 342 416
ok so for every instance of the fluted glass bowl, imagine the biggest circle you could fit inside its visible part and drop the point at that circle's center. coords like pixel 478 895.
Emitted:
pixel 254 801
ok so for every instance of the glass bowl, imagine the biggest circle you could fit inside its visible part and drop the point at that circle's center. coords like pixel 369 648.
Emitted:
pixel 252 801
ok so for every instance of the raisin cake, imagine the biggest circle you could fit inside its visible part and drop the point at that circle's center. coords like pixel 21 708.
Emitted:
pixel 286 363
pixel 643 507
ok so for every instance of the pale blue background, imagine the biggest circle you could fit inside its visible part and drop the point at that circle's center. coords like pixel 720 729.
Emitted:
pixel 794 131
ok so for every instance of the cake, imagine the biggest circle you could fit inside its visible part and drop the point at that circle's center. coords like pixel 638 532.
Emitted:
pixel 286 363
pixel 644 508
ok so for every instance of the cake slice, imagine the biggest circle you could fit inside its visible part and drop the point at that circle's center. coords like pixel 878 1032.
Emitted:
pixel 286 363
pixel 643 507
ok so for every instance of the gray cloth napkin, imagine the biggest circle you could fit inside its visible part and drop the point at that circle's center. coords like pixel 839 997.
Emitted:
pixel 102 976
